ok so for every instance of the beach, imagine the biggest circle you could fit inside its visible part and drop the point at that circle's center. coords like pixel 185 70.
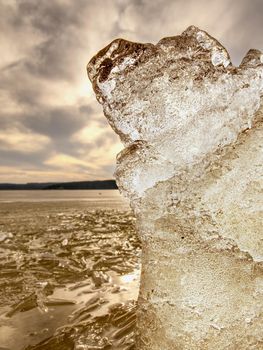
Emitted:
pixel 69 270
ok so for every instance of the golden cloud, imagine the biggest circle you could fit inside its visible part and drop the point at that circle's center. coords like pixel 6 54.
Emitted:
pixel 23 141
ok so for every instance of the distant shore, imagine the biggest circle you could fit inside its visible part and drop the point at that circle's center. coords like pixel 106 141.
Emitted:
pixel 74 185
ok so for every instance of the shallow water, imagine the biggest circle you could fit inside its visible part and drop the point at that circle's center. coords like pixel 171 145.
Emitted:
pixel 98 198
pixel 69 272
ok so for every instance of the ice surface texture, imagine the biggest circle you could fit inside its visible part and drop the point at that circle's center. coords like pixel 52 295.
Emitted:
pixel 191 124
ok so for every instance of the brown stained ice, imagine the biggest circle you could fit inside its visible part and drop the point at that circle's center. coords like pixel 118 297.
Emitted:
pixel 191 124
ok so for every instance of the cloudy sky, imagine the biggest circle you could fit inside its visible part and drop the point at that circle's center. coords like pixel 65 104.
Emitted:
pixel 51 126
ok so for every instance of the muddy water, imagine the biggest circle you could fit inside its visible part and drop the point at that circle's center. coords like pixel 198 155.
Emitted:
pixel 69 272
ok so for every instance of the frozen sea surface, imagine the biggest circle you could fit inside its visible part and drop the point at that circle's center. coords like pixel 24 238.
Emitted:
pixel 69 270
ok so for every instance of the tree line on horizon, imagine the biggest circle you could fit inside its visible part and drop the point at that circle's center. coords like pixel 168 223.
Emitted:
pixel 74 185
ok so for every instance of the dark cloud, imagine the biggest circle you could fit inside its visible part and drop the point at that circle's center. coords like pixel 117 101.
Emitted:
pixel 18 159
pixel 58 123
pixel 52 17
pixel 20 86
